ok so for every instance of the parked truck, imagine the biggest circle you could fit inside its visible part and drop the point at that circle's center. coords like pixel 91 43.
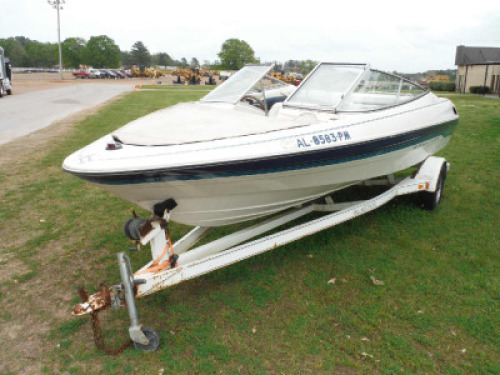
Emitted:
pixel 5 75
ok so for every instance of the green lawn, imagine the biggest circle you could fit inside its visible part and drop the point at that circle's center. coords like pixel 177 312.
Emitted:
pixel 438 311
pixel 178 87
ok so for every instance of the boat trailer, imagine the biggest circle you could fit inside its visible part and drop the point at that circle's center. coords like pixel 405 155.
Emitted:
pixel 168 268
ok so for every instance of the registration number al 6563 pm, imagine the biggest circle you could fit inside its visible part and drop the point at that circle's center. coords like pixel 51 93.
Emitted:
pixel 321 139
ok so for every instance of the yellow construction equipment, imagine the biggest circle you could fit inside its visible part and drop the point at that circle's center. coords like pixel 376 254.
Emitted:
pixel 187 76
pixel 143 72
pixel 442 78
pixel 288 77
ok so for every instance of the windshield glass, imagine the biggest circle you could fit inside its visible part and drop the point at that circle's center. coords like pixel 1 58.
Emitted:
pixel 327 85
pixel 379 90
pixel 238 84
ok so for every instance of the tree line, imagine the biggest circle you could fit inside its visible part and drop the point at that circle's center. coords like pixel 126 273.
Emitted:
pixel 99 52
pixel 102 52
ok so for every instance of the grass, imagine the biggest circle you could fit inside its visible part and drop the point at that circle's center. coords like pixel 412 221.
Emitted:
pixel 178 87
pixel 274 313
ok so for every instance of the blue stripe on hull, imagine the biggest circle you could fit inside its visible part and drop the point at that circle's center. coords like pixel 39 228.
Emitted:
pixel 273 164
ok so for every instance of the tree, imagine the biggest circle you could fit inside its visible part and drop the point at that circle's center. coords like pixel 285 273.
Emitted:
pixel 72 50
pixel 41 54
pixel 14 50
pixel 194 63
pixel 22 40
pixel 101 52
pixel 184 62
pixel 293 65
pixel 307 65
pixel 127 59
pixel 163 59
pixel 235 53
pixel 278 67
pixel 140 54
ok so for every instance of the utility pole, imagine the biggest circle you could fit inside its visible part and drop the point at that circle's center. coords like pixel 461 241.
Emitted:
pixel 57 5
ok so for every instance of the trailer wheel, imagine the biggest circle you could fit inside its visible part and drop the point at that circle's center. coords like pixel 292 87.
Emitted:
pixel 9 92
pixel 154 340
pixel 429 200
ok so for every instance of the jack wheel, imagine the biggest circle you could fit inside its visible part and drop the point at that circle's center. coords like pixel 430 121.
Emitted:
pixel 429 200
pixel 154 340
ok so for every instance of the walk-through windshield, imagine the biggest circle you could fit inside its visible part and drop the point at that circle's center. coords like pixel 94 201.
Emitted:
pixel 330 87
pixel 352 88
pixel 326 86
pixel 238 84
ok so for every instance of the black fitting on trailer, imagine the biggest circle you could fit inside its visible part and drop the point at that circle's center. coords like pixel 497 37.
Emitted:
pixel 132 228
pixel 160 208
pixel 173 260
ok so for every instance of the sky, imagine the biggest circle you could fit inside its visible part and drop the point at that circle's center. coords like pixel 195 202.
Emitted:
pixel 390 35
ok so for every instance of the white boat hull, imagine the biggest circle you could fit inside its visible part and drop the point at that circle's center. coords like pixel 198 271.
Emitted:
pixel 228 200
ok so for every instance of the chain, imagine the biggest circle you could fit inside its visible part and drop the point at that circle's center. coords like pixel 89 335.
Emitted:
pixel 96 327
pixel 99 340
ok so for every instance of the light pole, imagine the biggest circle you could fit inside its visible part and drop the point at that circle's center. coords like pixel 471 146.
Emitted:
pixel 56 4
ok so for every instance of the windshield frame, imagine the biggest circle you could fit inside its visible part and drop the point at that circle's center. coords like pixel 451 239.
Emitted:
pixel 228 81
pixel 363 69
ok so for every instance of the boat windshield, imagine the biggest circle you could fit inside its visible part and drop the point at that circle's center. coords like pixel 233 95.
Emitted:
pixel 238 84
pixel 379 90
pixel 326 86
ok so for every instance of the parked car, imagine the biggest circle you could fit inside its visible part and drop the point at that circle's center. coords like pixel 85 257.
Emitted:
pixel 111 73
pixel 127 74
pixel 81 74
pixel 104 73
pixel 118 73
pixel 95 73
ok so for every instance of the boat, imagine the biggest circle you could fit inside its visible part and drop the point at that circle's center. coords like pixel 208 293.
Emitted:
pixel 251 148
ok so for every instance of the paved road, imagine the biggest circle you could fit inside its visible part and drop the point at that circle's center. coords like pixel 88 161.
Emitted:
pixel 26 113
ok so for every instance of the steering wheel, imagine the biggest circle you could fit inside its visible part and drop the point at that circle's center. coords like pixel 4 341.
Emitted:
pixel 253 100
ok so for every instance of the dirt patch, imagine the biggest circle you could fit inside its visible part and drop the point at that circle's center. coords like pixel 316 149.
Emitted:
pixel 33 303
pixel 34 144
pixel 10 268
pixel 29 82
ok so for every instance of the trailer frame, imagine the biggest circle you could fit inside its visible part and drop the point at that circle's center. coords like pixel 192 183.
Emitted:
pixel 189 262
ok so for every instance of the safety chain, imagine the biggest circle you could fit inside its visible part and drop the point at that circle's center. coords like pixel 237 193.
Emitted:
pixel 96 326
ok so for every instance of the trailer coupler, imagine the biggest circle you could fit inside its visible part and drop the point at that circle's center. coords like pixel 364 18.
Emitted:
pixel 116 296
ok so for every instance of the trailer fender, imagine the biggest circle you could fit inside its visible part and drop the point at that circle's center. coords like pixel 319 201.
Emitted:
pixel 430 170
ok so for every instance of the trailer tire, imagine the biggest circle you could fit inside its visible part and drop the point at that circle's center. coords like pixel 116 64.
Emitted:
pixel 431 200
pixel 154 340
pixel 9 92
